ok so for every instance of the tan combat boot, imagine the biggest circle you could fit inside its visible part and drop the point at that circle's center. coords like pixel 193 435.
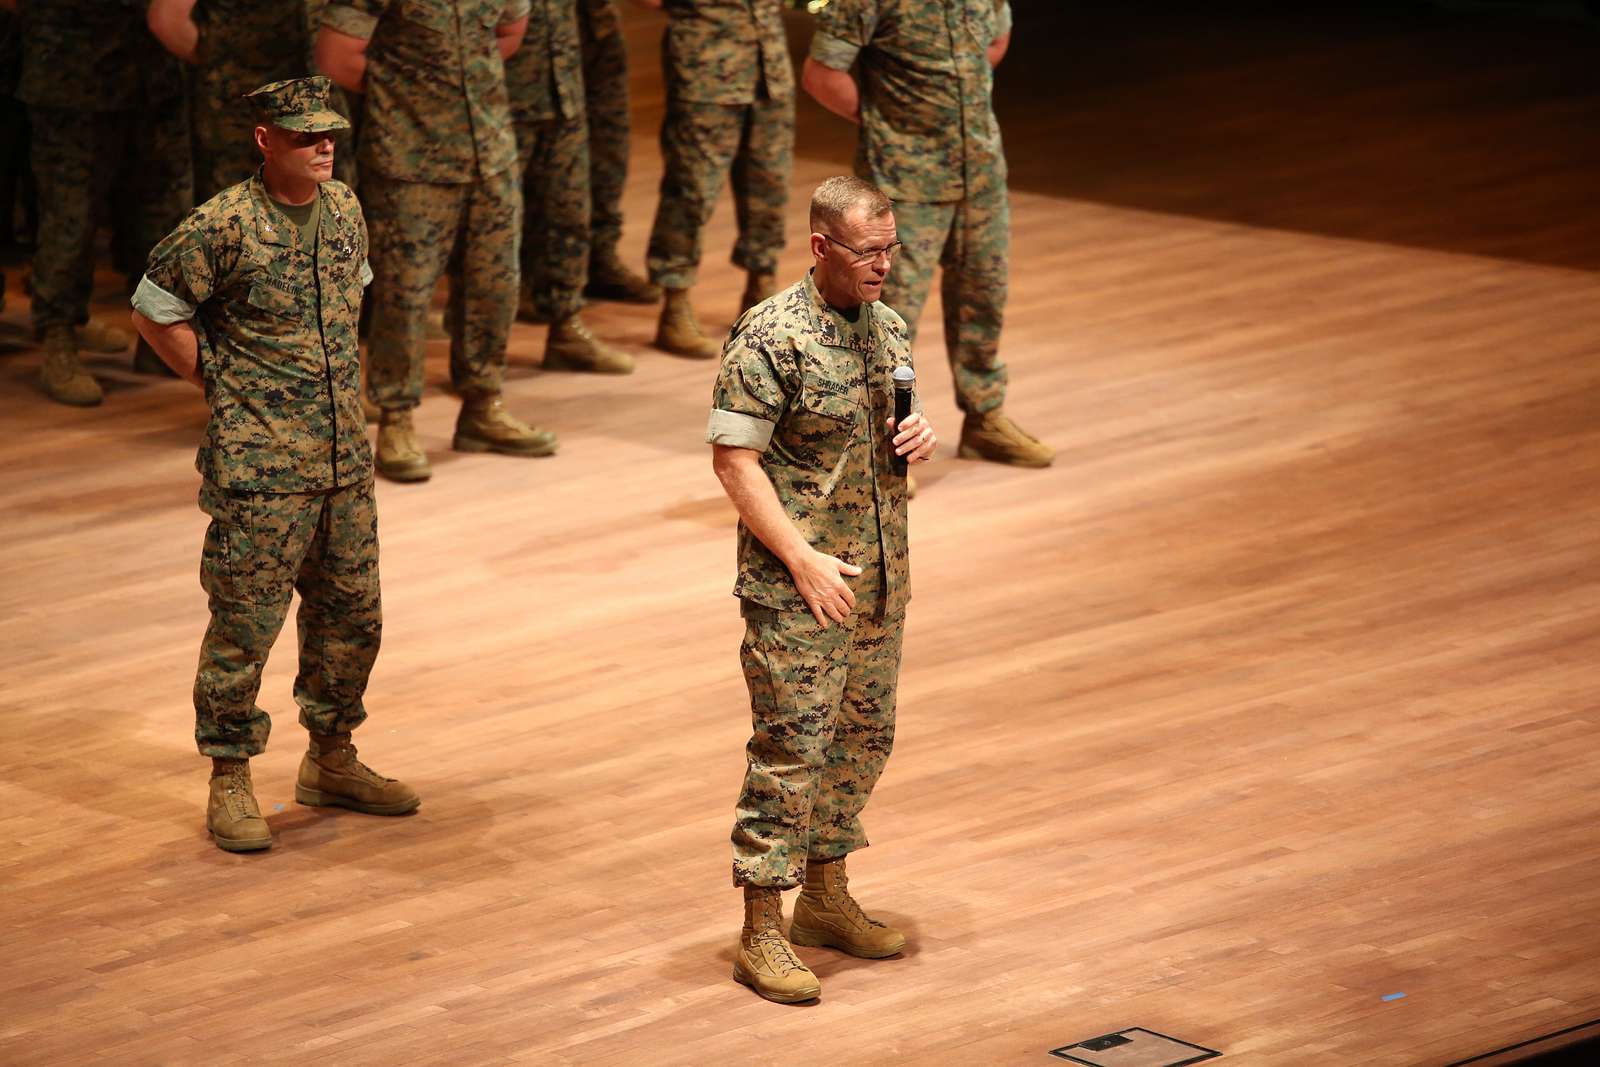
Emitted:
pixel 97 337
pixel 331 776
pixel 232 815
pixel 994 437
pixel 679 333
pixel 61 377
pixel 485 425
pixel 570 346
pixel 826 914
pixel 610 280
pixel 765 961
pixel 757 288
pixel 399 457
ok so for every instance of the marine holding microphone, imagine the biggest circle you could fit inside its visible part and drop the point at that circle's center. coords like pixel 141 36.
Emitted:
pixel 805 441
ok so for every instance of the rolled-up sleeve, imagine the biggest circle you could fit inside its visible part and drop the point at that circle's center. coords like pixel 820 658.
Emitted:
pixel 844 28
pixel 1003 21
pixel 748 399
pixel 158 305
pixel 516 9
pixel 180 277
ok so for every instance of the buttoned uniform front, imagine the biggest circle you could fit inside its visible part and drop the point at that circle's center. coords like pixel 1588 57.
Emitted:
pixel 108 116
pixel 929 139
pixel 286 467
pixel 730 104
pixel 812 392
pixel 545 81
pixel 440 184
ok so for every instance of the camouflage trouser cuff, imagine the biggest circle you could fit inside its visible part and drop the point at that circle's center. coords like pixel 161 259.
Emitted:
pixel 980 406
pixel 762 264
pixel 673 279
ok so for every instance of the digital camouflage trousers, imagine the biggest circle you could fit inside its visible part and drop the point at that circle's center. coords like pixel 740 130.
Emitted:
pixel 260 549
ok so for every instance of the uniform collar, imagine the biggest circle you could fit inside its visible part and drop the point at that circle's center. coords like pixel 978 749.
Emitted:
pixel 273 226
pixel 830 325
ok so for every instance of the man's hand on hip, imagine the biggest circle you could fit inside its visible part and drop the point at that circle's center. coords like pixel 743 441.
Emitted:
pixel 816 575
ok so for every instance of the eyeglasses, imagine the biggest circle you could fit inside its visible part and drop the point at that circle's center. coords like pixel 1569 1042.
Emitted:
pixel 868 255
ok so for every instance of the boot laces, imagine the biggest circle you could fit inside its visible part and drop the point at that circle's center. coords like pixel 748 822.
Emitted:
pixel 849 905
pixel 778 948
pixel 344 757
pixel 236 791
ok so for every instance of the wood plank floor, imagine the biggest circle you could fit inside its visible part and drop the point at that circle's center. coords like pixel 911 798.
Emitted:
pixel 1276 696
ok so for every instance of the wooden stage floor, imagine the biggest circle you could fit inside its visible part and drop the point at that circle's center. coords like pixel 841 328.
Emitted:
pixel 1275 697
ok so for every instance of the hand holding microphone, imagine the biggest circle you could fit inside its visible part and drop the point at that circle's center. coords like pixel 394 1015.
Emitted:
pixel 914 439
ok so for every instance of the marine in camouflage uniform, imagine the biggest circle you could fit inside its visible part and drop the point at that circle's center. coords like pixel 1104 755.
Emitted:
pixel 605 91
pixel 442 190
pixel 99 90
pixel 807 385
pixel 544 79
pixel 730 108
pixel 810 391
pixel 286 467
pixel 930 140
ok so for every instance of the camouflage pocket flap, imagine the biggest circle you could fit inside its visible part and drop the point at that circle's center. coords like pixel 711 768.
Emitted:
pixel 822 397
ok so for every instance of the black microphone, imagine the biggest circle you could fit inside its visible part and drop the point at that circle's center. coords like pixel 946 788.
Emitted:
pixel 904 379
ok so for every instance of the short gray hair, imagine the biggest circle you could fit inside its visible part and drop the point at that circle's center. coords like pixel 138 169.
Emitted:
pixel 838 196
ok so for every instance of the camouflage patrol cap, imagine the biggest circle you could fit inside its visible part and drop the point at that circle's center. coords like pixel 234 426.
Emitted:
pixel 298 104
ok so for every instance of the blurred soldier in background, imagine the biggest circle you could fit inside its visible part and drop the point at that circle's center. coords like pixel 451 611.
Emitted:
pixel 730 104
pixel 605 87
pixel 16 177
pixel 441 188
pixel 107 112
pixel 929 140
pixel 545 81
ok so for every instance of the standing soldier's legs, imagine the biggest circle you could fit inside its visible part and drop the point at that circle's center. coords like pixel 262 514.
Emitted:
pixel 340 624
pixel 254 548
pixel 796 672
pixel 923 231
pixel 555 250
pixel 555 230
pixel 66 145
pixel 605 86
pixel 862 738
pixel 972 285
pixel 340 621
pixel 973 288
pixel 412 227
pixel 698 142
pixel 826 913
pixel 761 170
pixel 491 241
pixel 483 290
pixel 253 551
